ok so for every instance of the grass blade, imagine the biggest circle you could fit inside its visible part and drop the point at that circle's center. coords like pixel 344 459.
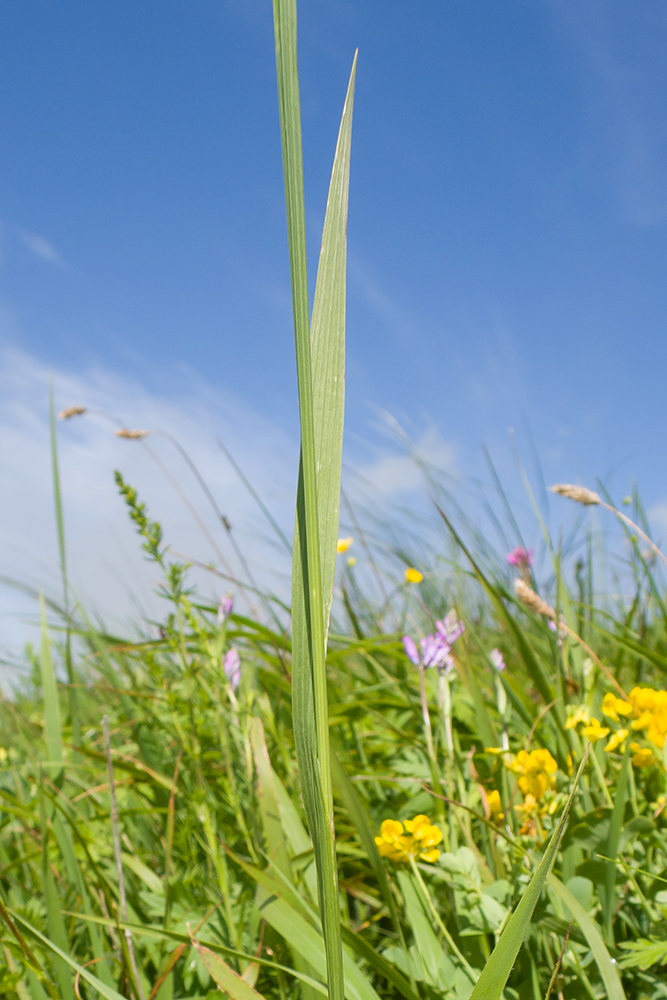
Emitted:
pixel 106 991
pixel 229 981
pixel 608 971
pixel 320 360
pixel 52 727
pixel 60 531
pixel 491 983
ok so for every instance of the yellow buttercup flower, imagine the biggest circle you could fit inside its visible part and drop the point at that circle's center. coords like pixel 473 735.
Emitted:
pixel 612 707
pixel 495 806
pixel 416 838
pixel 413 575
pixel 536 772
pixel 351 561
pixel 594 731
pixel 578 716
pixel 617 741
pixel 642 756
pixel 344 544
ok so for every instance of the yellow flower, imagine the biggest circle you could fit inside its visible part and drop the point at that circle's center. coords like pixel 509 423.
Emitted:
pixel 594 731
pixel 536 772
pixel 617 741
pixel 578 715
pixel 495 806
pixel 643 756
pixel 351 561
pixel 416 838
pixel 343 544
pixel 612 707
pixel 413 575
pixel 3 755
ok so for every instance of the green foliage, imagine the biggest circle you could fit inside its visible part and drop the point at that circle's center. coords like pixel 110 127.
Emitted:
pixel 440 854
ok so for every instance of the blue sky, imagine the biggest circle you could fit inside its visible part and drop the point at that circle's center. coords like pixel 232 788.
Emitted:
pixel 507 233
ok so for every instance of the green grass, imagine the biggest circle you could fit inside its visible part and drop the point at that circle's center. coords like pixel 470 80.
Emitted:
pixel 166 831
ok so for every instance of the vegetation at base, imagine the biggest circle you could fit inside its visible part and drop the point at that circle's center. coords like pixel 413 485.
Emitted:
pixel 216 862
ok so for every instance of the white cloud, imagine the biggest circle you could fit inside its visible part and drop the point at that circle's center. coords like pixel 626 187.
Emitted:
pixel 41 248
pixel 403 472
pixel 107 569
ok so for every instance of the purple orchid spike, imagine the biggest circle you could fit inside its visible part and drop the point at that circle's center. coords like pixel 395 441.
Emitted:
pixel 496 658
pixel 451 628
pixel 232 667
pixel 411 650
pixel 520 558
pixel 226 607
pixel 435 651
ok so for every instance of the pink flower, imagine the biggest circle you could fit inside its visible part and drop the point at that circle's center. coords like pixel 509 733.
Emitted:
pixel 435 650
pixel 451 628
pixel 520 558
pixel 232 668
pixel 496 658
pixel 225 609
pixel 411 650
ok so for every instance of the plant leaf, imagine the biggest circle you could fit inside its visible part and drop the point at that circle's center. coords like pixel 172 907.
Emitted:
pixel 610 976
pixel 495 973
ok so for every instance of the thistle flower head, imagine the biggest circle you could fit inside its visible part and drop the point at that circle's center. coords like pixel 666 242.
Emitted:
pixel 520 557
pixel 579 493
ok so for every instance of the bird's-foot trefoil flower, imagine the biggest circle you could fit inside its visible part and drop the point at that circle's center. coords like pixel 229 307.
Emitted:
pixel 415 839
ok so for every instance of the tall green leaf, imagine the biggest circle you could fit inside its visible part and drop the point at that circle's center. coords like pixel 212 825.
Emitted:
pixel 52 728
pixel 495 973
pixel 60 530
pixel 608 971
pixel 320 363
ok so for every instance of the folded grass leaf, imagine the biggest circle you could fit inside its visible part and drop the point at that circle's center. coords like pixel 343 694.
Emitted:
pixel 496 972
pixel 608 971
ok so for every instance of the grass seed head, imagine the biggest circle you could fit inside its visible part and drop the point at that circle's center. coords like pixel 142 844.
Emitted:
pixel 579 493
pixel 532 600
pixel 125 432
pixel 71 411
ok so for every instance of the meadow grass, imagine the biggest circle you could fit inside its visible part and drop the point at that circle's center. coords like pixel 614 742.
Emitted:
pixel 458 790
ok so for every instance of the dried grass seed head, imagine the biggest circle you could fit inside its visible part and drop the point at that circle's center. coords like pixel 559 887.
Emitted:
pixel 131 434
pixel 579 493
pixel 71 411
pixel 532 600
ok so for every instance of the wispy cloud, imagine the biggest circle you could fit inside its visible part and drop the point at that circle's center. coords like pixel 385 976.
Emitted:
pixel 41 247
pixel 107 569
pixel 403 472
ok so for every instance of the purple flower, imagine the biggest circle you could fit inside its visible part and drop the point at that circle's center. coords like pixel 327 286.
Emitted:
pixel 451 628
pixel 520 558
pixel 411 650
pixel 496 658
pixel 226 608
pixel 435 650
pixel 232 668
